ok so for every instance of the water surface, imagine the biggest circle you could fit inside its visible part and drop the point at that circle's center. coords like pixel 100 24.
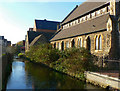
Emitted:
pixel 33 76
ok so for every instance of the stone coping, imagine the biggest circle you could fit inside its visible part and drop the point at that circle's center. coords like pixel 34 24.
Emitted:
pixel 105 76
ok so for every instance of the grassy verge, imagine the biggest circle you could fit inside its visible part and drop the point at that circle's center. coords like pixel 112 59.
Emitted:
pixel 73 61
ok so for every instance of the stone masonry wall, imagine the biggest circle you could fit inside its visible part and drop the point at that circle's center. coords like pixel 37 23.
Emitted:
pixel 106 42
pixel 102 80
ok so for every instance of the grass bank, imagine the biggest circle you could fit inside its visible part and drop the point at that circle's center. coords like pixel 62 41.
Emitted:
pixel 73 61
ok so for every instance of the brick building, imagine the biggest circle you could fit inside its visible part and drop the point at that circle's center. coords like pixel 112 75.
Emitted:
pixel 42 32
pixel 93 25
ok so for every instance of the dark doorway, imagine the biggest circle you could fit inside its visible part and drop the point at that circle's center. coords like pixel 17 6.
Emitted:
pixel 73 43
pixel 88 44
pixel 62 45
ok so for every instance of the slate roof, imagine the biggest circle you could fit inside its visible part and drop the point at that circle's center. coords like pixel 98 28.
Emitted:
pixel 82 9
pixel 30 29
pixel 93 25
pixel 33 34
pixel 45 24
pixel 35 39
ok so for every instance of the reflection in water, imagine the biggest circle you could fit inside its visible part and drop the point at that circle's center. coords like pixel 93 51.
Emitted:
pixel 33 76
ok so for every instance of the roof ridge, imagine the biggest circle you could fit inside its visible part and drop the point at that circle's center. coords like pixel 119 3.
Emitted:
pixel 84 28
pixel 83 9
pixel 35 39
pixel 47 20
pixel 70 13
pixel 90 19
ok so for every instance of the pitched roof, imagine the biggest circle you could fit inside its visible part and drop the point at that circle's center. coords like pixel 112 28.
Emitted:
pixel 30 29
pixel 35 39
pixel 33 34
pixel 44 24
pixel 93 25
pixel 82 9
pixel 41 38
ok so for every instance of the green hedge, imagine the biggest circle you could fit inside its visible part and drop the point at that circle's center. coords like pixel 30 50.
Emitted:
pixel 71 61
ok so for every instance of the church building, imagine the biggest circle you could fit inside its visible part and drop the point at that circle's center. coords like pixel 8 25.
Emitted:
pixel 92 25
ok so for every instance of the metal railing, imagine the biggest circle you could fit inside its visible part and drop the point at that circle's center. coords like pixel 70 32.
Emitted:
pixel 110 67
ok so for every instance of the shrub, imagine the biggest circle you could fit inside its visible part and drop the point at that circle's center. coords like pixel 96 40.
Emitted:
pixel 73 60
pixel 21 55
pixel 43 53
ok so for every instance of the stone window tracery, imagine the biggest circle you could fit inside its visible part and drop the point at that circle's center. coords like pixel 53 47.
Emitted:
pixel 98 42
pixel 67 44
pixel 79 42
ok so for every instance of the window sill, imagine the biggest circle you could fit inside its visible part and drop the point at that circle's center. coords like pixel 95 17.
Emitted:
pixel 98 50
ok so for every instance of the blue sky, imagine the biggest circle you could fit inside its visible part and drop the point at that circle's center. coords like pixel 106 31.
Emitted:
pixel 17 17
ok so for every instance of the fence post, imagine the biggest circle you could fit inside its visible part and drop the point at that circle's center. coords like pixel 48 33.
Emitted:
pixel 103 60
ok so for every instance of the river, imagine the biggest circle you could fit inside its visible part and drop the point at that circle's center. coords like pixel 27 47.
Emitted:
pixel 26 75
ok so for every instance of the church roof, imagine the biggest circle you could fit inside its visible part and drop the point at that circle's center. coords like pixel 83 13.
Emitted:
pixel 36 39
pixel 93 25
pixel 45 24
pixel 32 35
pixel 82 9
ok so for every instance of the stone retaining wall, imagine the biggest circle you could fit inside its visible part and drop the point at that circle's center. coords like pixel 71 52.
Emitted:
pixel 102 80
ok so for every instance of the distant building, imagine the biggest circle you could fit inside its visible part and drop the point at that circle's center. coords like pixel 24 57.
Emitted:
pixel 8 43
pixel 5 42
pixel 92 25
pixel 1 40
pixel 41 33
pixel 13 45
pixel 45 26
pixel 3 45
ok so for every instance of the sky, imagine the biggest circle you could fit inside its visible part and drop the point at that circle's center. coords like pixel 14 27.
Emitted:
pixel 16 17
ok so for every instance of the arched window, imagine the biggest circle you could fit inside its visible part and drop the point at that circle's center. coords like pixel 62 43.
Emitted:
pixel 58 45
pixel 62 45
pixel 96 43
pixel 73 43
pixel 55 45
pixel 67 44
pixel 100 43
pixel 78 43
pixel 88 43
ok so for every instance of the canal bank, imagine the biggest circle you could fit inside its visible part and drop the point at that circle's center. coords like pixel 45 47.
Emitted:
pixel 73 62
pixel 6 68
pixel 28 75
pixel 95 78
pixel 103 81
